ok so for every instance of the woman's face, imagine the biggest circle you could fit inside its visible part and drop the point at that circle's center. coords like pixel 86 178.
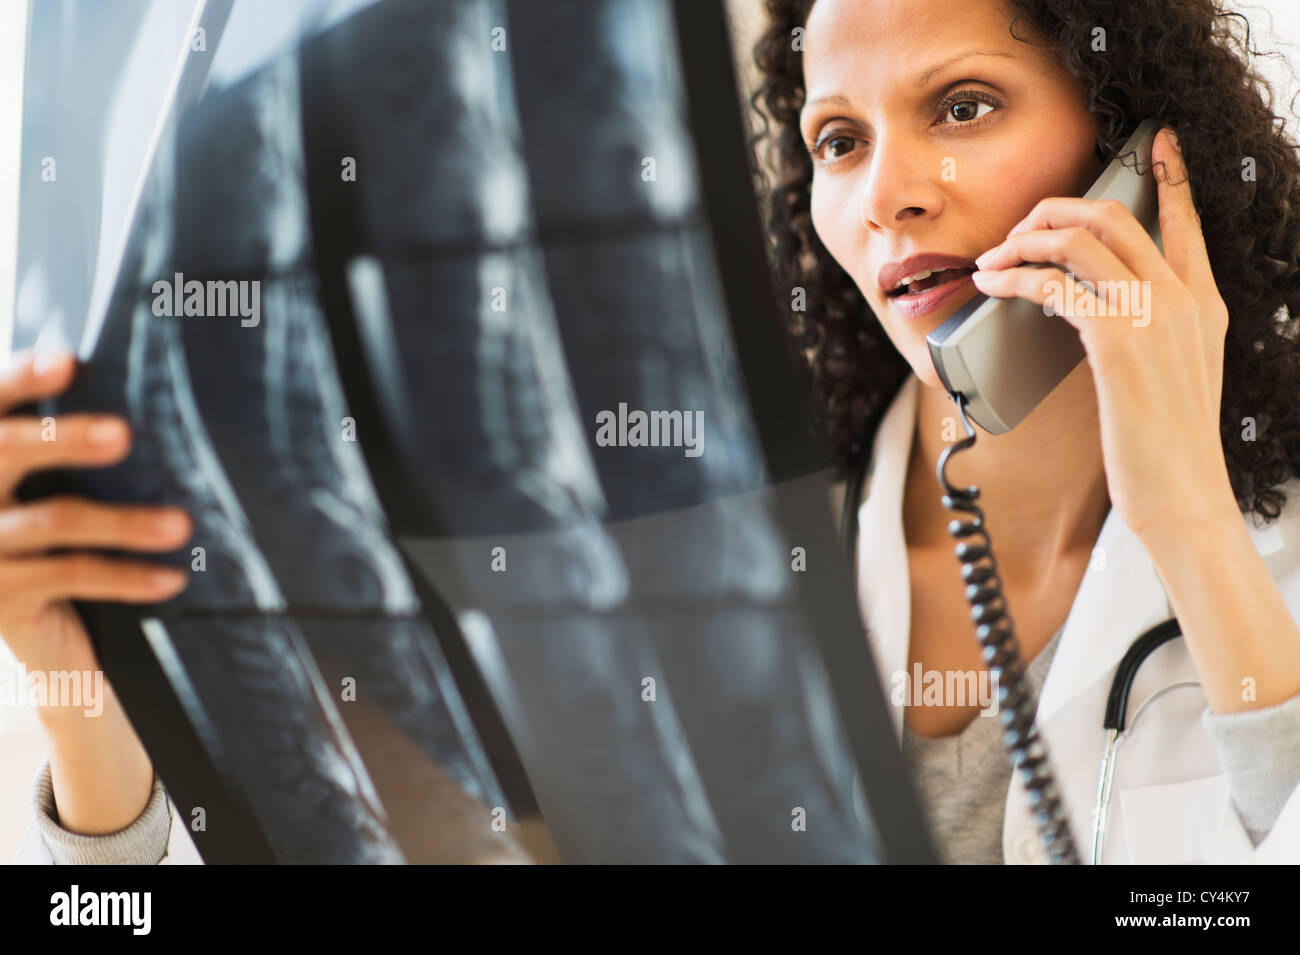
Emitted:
pixel 933 133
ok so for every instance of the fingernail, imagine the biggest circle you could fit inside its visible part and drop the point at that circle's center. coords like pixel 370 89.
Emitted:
pixel 47 363
pixel 986 256
pixel 106 432
pixel 1173 136
pixel 166 579
pixel 170 525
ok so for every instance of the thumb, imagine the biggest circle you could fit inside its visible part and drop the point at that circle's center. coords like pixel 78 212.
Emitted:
pixel 1180 225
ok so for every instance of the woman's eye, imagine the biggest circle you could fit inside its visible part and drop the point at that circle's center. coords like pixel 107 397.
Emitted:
pixel 968 110
pixel 845 146
pixel 832 147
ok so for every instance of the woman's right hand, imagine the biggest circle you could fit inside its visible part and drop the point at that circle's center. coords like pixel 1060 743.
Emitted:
pixel 102 776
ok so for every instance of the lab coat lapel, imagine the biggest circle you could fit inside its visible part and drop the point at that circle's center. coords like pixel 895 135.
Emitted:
pixel 884 591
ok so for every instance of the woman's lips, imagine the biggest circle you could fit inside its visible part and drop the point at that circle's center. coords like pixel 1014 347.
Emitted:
pixel 915 306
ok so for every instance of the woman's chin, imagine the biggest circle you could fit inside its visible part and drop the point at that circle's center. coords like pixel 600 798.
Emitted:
pixel 923 368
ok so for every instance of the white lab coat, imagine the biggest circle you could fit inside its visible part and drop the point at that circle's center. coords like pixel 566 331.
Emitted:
pixel 1170 801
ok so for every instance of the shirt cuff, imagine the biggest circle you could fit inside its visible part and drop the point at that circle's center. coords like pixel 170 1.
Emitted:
pixel 1260 753
pixel 144 842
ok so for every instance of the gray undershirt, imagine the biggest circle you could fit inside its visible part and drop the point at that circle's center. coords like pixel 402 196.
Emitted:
pixel 962 780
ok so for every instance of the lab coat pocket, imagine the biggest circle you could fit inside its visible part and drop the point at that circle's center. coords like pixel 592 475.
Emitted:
pixel 1175 822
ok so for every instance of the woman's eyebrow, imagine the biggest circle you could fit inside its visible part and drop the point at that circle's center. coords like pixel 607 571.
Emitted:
pixel 921 80
pixel 838 99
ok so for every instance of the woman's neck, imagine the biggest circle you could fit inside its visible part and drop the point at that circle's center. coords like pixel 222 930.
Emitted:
pixel 1042 485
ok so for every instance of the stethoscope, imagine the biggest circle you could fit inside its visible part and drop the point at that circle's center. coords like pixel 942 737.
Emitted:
pixel 1116 722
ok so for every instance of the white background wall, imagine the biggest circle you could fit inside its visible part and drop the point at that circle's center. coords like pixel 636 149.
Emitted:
pixel 13 34
pixel 1279 24
pixel 21 748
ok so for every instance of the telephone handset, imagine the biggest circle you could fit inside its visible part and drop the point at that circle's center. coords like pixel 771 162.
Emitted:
pixel 1006 355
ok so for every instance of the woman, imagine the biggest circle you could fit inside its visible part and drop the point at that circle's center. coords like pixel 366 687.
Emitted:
pixel 930 136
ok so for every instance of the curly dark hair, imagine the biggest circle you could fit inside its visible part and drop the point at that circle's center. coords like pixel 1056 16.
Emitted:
pixel 1185 63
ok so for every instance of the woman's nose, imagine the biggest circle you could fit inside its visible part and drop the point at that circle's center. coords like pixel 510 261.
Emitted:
pixel 901 188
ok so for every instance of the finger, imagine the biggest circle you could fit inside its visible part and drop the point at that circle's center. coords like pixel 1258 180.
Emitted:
pixel 29 376
pixel 89 577
pixel 1048 287
pixel 38 444
pixel 1180 225
pixel 77 522
pixel 1074 248
pixel 1111 222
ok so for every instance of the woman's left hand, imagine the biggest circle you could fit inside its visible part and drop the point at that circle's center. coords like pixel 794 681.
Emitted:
pixel 1155 343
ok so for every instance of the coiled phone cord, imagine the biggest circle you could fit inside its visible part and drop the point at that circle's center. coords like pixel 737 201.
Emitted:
pixel 1001 651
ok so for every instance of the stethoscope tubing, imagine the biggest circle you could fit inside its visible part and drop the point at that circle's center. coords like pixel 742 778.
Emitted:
pixel 1141 648
pixel 1116 722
